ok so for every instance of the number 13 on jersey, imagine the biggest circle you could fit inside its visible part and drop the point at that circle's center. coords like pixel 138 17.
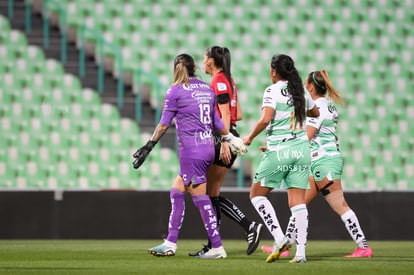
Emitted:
pixel 205 112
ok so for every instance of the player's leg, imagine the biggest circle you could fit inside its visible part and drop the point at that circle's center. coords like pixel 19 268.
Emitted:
pixel 330 186
pixel 297 182
pixel 215 178
pixel 258 197
pixel 291 230
pixel 169 246
pixel 334 196
pixel 208 215
pixel 267 178
pixel 312 193
pixel 253 229
pixel 300 217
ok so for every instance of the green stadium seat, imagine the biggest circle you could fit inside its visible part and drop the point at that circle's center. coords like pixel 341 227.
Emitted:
pixel 90 97
pixel 16 39
pixel 98 183
pixel 3 150
pixel 35 177
pixel 109 111
pixel 4 24
pixel 6 176
pixel 357 42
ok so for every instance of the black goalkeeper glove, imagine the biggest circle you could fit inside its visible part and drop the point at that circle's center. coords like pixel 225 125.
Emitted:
pixel 142 153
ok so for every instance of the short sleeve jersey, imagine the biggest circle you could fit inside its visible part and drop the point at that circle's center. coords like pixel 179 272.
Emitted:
pixel 221 86
pixel 325 141
pixel 283 126
pixel 194 107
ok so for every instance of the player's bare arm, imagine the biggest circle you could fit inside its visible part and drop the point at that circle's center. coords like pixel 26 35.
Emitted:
pixel 159 131
pixel 267 115
pixel 314 112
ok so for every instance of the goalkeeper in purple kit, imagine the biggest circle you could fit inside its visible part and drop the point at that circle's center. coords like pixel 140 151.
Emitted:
pixel 193 104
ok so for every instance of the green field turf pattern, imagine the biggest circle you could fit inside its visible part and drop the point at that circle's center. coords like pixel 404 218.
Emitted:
pixel 131 257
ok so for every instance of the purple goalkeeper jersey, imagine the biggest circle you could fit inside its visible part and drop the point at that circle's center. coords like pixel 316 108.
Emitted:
pixel 194 107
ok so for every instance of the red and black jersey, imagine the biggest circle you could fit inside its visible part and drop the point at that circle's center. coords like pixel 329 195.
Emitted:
pixel 224 94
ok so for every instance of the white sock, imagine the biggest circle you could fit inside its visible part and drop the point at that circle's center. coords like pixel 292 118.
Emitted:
pixel 291 230
pixel 352 225
pixel 266 211
pixel 300 214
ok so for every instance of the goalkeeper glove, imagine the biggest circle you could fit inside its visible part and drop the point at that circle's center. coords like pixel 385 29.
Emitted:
pixel 236 144
pixel 142 153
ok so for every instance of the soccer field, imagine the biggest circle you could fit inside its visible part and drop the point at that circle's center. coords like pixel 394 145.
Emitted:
pixel 130 257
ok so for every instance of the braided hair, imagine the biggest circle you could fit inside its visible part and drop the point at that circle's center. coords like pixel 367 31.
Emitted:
pixel 285 67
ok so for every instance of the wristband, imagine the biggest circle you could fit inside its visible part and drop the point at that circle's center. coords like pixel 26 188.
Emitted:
pixel 150 144
pixel 226 138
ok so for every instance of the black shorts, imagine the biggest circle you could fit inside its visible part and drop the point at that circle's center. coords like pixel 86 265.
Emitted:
pixel 217 145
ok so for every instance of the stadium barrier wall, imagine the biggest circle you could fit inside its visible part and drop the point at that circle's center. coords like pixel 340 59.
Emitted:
pixel 144 215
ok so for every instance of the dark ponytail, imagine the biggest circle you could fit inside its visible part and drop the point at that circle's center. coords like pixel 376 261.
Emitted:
pixel 285 67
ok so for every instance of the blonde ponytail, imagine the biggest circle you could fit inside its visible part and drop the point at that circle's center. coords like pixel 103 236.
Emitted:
pixel 180 74
pixel 333 93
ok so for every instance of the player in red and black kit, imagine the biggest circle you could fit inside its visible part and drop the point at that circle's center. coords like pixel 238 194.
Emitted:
pixel 217 63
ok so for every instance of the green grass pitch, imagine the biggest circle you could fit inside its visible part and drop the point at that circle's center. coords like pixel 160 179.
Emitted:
pixel 131 257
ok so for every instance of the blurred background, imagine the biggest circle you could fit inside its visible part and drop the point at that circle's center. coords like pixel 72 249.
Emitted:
pixel 82 83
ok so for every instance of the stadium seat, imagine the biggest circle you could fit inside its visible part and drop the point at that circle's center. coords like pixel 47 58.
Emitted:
pixel 7 179
pixel 365 46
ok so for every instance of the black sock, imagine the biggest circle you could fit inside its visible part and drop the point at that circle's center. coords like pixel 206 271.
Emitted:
pixel 233 212
pixel 216 204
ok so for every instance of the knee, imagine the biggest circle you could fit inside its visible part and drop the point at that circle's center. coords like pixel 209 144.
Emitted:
pixel 257 190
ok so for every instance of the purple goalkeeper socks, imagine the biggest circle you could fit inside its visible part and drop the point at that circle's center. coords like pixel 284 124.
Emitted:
pixel 209 218
pixel 176 215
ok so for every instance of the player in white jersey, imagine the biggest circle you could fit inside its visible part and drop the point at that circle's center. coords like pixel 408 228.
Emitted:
pixel 327 161
pixel 287 157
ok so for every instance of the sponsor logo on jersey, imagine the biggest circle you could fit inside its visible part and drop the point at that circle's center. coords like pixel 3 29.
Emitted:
pixel 221 86
pixel 331 108
pixel 284 91
pixel 191 86
pixel 267 100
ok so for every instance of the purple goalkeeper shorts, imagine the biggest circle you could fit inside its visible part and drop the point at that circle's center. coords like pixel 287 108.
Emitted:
pixel 194 164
